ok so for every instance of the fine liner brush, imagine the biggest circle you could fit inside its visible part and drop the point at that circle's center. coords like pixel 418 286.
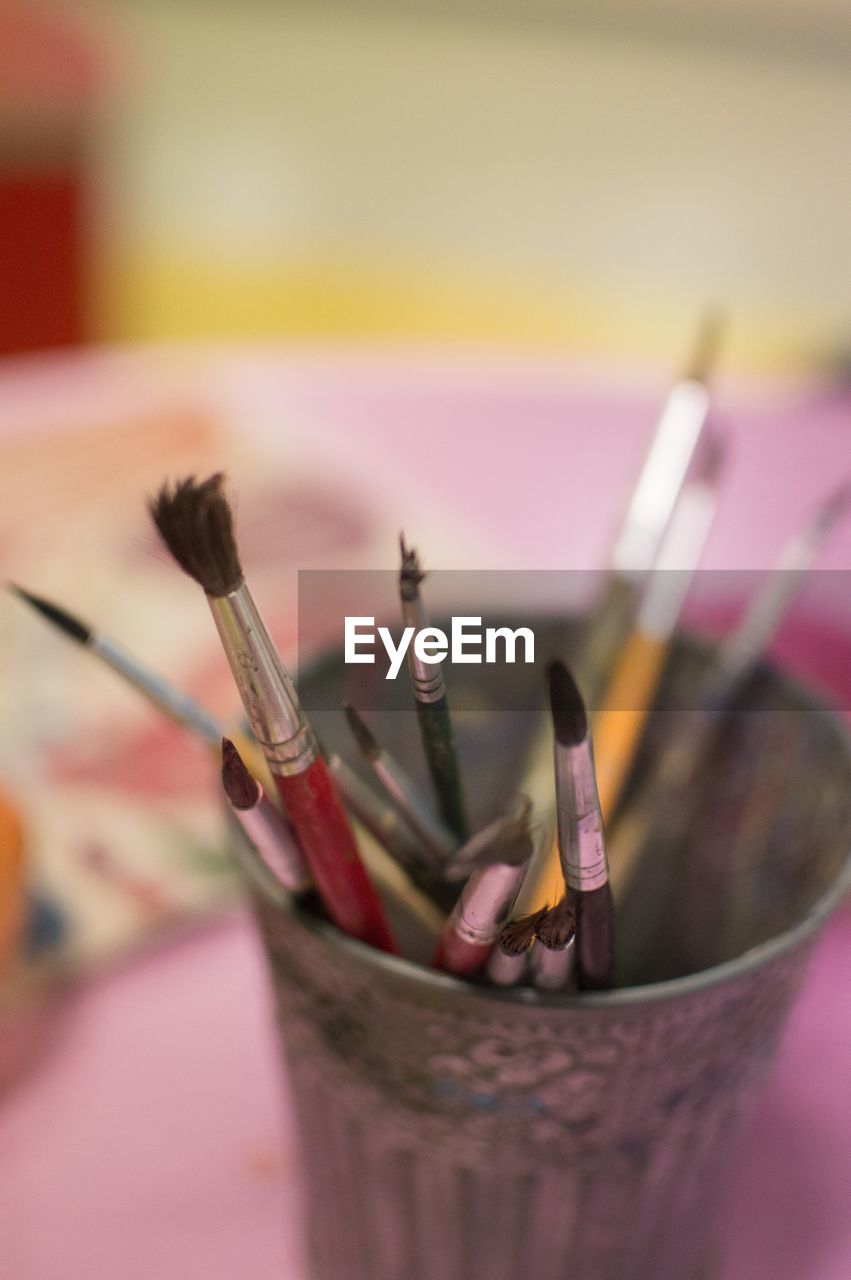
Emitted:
pixel 471 930
pixel 195 522
pixel 381 819
pixel 552 956
pixel 580 833
pixel 177 706
pixel 436 838
pixel 432 707
pixel 272 858
pixel 621 719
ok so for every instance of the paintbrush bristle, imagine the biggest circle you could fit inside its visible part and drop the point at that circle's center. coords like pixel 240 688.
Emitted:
pixel 570 719
pixel 240 788
pixel 60 618
pixel 558 925
pixel 411 573
pixel 517 936
pixel 364 736
pixel 195 522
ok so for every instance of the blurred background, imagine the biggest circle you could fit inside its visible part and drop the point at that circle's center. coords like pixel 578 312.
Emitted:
pixel 563 173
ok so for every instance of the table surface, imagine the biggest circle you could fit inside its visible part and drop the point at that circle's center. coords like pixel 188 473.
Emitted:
pixel 152 1140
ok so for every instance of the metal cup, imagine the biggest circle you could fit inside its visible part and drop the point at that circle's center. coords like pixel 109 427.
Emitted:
pixel 450 1131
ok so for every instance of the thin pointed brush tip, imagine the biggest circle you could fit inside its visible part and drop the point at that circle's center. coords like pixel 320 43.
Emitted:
pixel 366 739
pixel 60 618
pixel 240 788
pixel 410 573
pixel 195 522
pixel 570 719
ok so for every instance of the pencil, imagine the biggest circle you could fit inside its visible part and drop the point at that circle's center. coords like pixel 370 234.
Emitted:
pixel 195 522
pixel 431 702
pixel 580 833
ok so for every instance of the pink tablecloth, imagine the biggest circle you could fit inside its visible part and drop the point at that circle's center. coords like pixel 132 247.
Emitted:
pixel 151 1142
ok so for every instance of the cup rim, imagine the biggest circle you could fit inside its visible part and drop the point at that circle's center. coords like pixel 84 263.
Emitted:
pixel 716 975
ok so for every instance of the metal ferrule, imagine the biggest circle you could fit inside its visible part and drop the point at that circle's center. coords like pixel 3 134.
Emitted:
pixel 485 898
pixel 426 677
pixel 580 823
pixel 264 685
pixel 439 840
pixel 552 969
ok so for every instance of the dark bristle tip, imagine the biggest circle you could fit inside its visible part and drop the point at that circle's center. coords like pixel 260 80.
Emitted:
pixel 517 936
pixel 240 788
pixel 558 925
pixel 570 719
pixel 60 618
pixel 411 573
pixel 364 736
pixel 195 522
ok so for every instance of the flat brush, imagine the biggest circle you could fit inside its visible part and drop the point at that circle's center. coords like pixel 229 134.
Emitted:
pixel 581 841
pixel 177 706
pixel 431 702
pixel 272 858
pixel 436 838
pixel 195 522
pixel 471 930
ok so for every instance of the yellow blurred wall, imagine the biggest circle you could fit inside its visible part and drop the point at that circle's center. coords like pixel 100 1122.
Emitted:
pixel 268 169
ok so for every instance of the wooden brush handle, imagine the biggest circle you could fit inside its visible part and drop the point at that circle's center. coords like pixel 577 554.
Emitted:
pixel 316 812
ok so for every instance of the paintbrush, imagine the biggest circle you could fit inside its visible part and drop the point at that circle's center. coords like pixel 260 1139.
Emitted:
pixel 581 842
pixel 651 834
pixel 622 718
pixel 195 522
pixel 436 838
pixel 177 706
pixel 471 930
pixel 270 853
pixel 507 963
pixel 650 508
pixel 431 702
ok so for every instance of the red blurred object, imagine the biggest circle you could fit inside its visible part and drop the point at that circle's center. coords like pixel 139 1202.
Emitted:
pixel 48 76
